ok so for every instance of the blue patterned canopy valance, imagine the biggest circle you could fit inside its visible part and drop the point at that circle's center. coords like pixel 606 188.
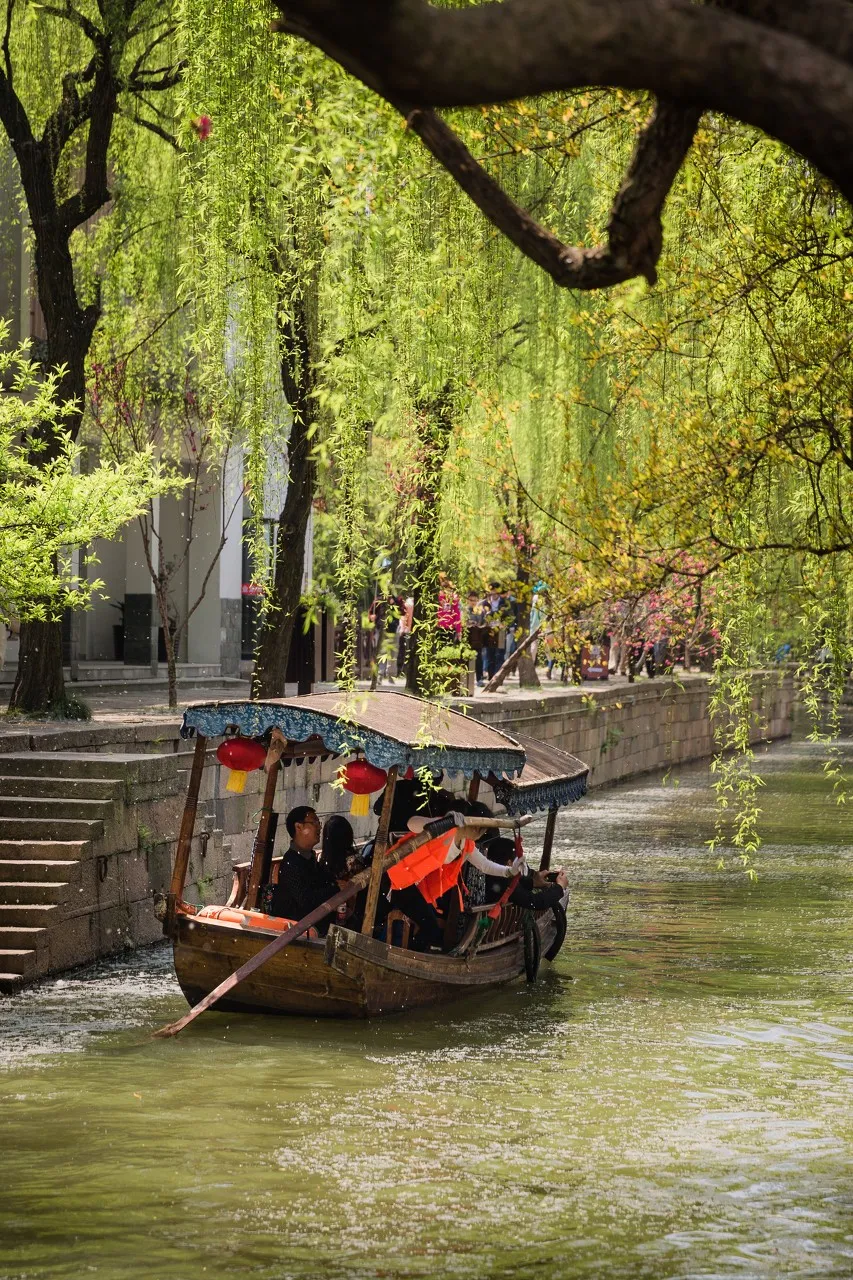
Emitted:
pixel 519 800
pixel 387 728
pixel 550 779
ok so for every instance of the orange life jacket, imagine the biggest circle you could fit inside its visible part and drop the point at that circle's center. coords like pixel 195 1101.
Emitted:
pixel 426 867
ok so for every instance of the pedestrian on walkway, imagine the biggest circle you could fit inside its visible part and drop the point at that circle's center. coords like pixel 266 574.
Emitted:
pixel 495 616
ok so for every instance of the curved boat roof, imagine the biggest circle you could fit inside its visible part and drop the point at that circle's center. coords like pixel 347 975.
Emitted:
pixel 550 779
pixel 389 728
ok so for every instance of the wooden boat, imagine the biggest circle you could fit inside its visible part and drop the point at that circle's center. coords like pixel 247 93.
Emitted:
pixel 348 973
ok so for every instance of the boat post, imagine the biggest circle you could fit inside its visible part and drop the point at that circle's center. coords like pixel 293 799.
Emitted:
pixel 185 837
pixel 379 848
pixel 259 848
pixel 454 911
pixel 550 825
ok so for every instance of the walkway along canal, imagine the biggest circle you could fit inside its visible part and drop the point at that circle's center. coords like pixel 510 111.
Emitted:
pixel 672 1099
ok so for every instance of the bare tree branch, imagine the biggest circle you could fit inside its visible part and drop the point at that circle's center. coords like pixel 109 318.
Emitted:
pixel 139 64
pixel 70 14
pixel 153 127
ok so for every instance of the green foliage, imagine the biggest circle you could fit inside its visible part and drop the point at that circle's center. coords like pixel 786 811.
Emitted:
pixel 48 507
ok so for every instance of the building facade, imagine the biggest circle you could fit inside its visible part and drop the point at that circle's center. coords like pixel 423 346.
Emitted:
pixel 204 547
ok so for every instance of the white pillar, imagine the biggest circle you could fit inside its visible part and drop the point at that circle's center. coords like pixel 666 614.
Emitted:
pixel 214 630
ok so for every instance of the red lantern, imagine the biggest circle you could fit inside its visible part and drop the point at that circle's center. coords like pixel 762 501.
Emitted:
pixel 360 777
pixel 242 756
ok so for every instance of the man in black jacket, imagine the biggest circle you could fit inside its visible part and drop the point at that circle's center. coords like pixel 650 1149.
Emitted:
pixel 302 883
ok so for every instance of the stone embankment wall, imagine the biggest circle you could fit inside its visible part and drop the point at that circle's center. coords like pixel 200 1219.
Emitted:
pixel 620 731
pixel 88 828
pixel 624 730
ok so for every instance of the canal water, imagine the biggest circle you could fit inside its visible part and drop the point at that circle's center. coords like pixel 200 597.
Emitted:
pixel 671 1099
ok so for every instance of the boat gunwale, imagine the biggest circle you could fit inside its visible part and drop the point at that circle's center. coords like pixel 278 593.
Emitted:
pixel 233 926
pixel 432 966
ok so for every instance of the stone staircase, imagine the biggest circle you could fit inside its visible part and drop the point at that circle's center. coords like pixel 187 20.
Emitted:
pixel 69 851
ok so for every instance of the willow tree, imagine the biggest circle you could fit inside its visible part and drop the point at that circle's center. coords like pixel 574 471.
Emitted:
pixel 280 192
pixel 708 431
pixel 70 76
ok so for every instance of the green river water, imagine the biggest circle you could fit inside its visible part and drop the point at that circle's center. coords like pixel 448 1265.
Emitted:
pixel 671 1099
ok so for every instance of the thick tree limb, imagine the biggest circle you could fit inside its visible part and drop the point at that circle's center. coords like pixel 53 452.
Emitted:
pixel 70 113
pixel 7 35
pixel 826 24
pixel 707 57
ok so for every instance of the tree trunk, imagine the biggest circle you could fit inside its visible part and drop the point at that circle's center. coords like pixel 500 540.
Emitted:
pixel 528 677
pixel 414 682
pixel 170 641
pixel 39 683
pixel 298 359
pixel 277 628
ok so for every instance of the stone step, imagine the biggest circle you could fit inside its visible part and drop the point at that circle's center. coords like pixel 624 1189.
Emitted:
pixel 58 788
pixel 35 892
pixel 43 850
pixel 140 767
pixel 19 869
pixel 23 937
pixel 11 981
pixel 35 806
pixel 50 829
pixel 18 962
pixel 29 914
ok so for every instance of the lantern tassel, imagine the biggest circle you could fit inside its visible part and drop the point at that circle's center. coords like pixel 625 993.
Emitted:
pixel 236 781
pixel 360 806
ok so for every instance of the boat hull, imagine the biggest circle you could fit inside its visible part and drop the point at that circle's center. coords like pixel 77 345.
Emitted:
pixel 345 975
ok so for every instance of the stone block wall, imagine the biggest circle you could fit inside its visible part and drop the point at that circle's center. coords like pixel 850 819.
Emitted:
pixel 621 731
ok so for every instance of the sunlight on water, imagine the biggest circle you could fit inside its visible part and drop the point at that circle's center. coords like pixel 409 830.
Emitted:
pixel 672 1098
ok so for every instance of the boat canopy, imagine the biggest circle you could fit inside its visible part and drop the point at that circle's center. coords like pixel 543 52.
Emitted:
pixel 388 728
pixel 550 779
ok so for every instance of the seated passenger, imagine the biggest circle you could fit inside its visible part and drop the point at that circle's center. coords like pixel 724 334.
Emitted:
pixel 340 859
pixel 416 901
pixel 536 890
pixel 411 796
pixel 302 882
pixel 338 848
